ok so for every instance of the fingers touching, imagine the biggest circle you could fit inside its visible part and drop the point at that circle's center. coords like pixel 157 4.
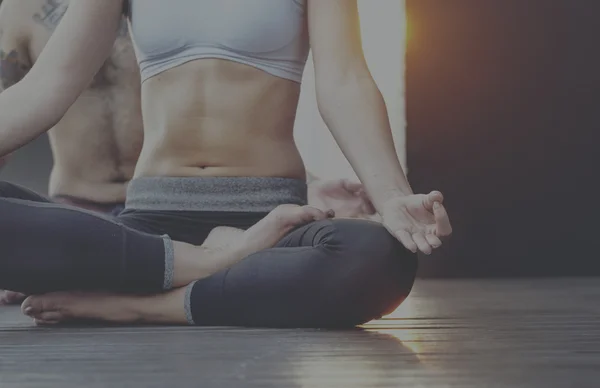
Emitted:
pixel 443 228
pixel 429 238
pixel 430 199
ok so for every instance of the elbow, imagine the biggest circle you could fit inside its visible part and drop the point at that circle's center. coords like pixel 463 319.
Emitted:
pixel 28 110
pixel 331 96
pixel 50 102
pixel 344 92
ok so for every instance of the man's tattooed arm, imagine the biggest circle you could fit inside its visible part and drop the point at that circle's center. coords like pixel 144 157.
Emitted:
pixel 13 67
pixel 53 11
pixel 14 54
pixel 51 14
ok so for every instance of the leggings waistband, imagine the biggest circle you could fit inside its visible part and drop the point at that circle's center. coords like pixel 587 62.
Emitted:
pixel 227 194
pixel 108 208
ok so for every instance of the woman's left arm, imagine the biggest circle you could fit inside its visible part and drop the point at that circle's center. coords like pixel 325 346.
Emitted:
pixel 354 110
pixel 349 100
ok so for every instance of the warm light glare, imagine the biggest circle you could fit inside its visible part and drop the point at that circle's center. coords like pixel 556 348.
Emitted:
pixel 408 30
pixel 404 324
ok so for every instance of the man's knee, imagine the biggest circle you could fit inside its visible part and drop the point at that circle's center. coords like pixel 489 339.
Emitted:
pixel 11 190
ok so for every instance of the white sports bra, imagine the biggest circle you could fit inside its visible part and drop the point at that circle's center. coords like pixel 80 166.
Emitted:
pixel 271 35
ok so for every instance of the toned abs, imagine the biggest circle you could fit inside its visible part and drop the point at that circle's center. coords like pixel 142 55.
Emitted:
pixel 213 117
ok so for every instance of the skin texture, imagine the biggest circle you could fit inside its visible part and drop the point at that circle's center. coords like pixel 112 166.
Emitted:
pixel 213 117
pixel 191 131
pixel 96 144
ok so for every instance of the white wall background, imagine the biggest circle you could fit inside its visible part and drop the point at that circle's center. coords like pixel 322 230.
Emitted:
pixel 383 33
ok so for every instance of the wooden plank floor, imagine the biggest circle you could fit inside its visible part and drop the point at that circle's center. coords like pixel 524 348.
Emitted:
pixel 459 333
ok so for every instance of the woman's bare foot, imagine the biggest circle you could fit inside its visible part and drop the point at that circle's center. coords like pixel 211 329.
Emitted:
pixel 11 297
pixel 60 307
pixel 222 237
pixel 279 222
pixel 267 232
pixel 63 307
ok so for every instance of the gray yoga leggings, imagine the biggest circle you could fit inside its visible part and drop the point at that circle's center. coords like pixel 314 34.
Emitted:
pixel 330 274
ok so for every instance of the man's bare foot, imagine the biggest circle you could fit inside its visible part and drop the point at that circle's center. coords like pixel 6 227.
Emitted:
pixel 279 222
pixel 11 298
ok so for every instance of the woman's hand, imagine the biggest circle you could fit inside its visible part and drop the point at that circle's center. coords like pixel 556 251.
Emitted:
pixel 418 221
pixel 346 198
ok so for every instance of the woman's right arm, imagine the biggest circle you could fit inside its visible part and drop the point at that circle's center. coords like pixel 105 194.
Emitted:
pixel 73 55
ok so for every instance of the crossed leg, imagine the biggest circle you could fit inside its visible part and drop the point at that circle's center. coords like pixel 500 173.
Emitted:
pixel 329 273
pixel 165 308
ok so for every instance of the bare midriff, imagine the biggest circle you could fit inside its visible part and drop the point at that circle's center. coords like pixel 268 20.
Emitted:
pixel 214 117
pixel 97 143
pixel 96 146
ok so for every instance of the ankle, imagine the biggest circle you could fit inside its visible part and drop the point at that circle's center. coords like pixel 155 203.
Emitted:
pixel 186 263
pixel 198 262
pixel 165 308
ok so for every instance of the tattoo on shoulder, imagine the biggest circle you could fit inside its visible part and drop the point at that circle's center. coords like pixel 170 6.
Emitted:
pixel 51 13
pixel 12 68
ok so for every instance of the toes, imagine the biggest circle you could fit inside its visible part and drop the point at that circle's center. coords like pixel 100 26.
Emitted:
pixel 11 298
pixel 48 318
pixel 41 311
pixel 311 213
pixel 3 298
pixel 32 306
pixel 41 308
pixel 293 215
pixel 41 322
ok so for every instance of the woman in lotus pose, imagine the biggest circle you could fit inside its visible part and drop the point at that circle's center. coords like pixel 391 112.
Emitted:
pixel 215 231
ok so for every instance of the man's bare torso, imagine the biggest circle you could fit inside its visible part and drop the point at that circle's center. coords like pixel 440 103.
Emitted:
pixel 97 143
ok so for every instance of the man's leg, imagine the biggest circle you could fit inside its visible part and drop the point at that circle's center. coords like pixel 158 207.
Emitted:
pixel 10 190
